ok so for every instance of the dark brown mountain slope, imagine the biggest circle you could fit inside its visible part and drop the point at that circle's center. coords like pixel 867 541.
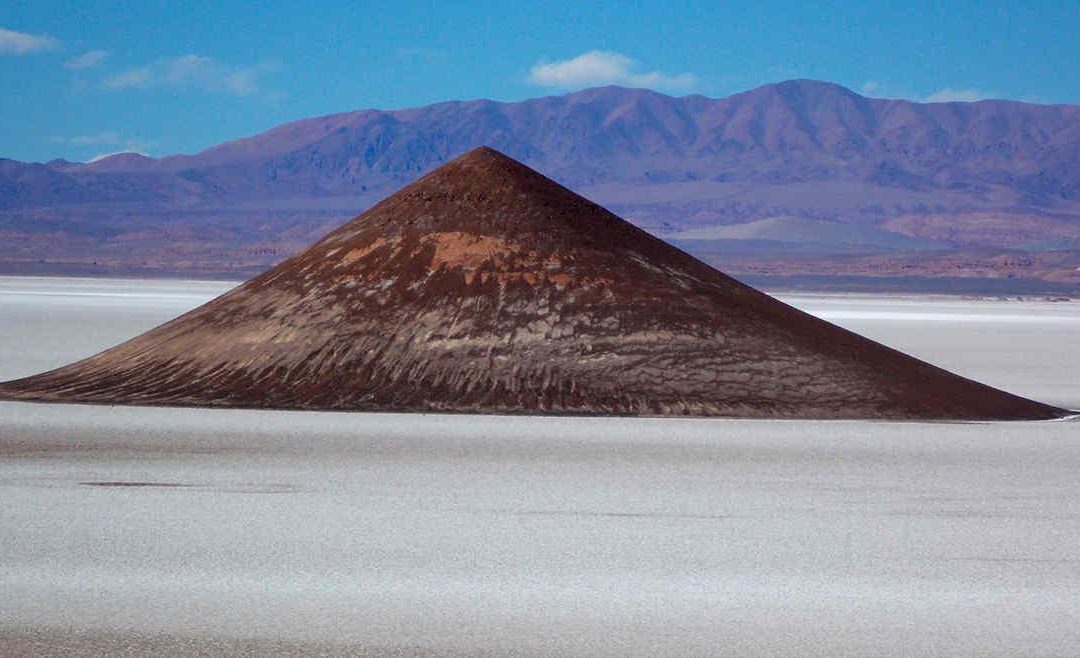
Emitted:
pixel 486 287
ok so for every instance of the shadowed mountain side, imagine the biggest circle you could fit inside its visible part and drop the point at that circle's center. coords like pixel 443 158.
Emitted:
pixel 486 287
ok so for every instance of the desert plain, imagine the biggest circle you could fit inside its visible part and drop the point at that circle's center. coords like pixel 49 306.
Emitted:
pixel 137 530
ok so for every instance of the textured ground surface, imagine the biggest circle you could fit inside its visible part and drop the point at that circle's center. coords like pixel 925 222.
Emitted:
pixel 485 287
pixel 137 531
pixel 184 530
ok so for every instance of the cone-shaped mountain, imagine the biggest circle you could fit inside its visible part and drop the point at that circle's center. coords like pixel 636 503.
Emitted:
pixel 486 287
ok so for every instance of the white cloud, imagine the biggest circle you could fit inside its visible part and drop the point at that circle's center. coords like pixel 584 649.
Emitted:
pixel 20 43
pixel 875 89
pixel 598 67
pixel 140 77
pixel 950 95
pixel 116 142
pixel 192 71
pixel 102 156
pixel 89 59
pixel 870 88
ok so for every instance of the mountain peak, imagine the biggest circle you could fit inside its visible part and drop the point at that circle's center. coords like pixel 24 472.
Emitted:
pixel 481 214
pixel 487 287
pixel 813 91
pixel 485 159
pixel 816 85
pixel 485 153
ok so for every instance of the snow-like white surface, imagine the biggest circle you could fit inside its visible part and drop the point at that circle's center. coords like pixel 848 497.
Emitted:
pixel 421 534
pixel 1027 347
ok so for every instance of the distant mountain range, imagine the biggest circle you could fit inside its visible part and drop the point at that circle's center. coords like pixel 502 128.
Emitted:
pixel 796 179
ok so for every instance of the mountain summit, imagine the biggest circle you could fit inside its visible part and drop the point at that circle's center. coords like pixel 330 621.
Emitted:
pixel 486 287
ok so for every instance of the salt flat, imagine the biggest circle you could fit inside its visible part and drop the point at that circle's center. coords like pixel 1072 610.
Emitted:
pixel 147 530
pixel 1026 347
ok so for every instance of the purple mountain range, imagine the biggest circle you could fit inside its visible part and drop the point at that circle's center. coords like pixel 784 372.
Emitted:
pixel 796 178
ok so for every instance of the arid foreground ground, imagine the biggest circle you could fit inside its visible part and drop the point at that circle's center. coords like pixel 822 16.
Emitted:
pixel 137 531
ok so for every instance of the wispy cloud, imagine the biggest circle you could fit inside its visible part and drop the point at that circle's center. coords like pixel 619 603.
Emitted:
pixel 116 142
pixel 20 43
pixel 598 67
pixel 194 72
pixel 870 88
pixel 89 59
pixel 875 89
pixel 950 95
pixel 102 156
pixel 140 77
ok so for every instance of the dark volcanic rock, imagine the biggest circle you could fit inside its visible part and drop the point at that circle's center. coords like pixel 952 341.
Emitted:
pixel 486 287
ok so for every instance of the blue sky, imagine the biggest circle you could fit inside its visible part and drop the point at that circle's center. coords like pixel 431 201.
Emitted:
pixel 80 79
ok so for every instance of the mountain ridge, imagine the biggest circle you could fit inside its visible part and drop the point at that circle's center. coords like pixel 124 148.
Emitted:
pixel 798 148
pixel 339 117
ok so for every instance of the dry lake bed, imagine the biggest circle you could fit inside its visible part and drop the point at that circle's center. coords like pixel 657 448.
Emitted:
pixel 144 531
